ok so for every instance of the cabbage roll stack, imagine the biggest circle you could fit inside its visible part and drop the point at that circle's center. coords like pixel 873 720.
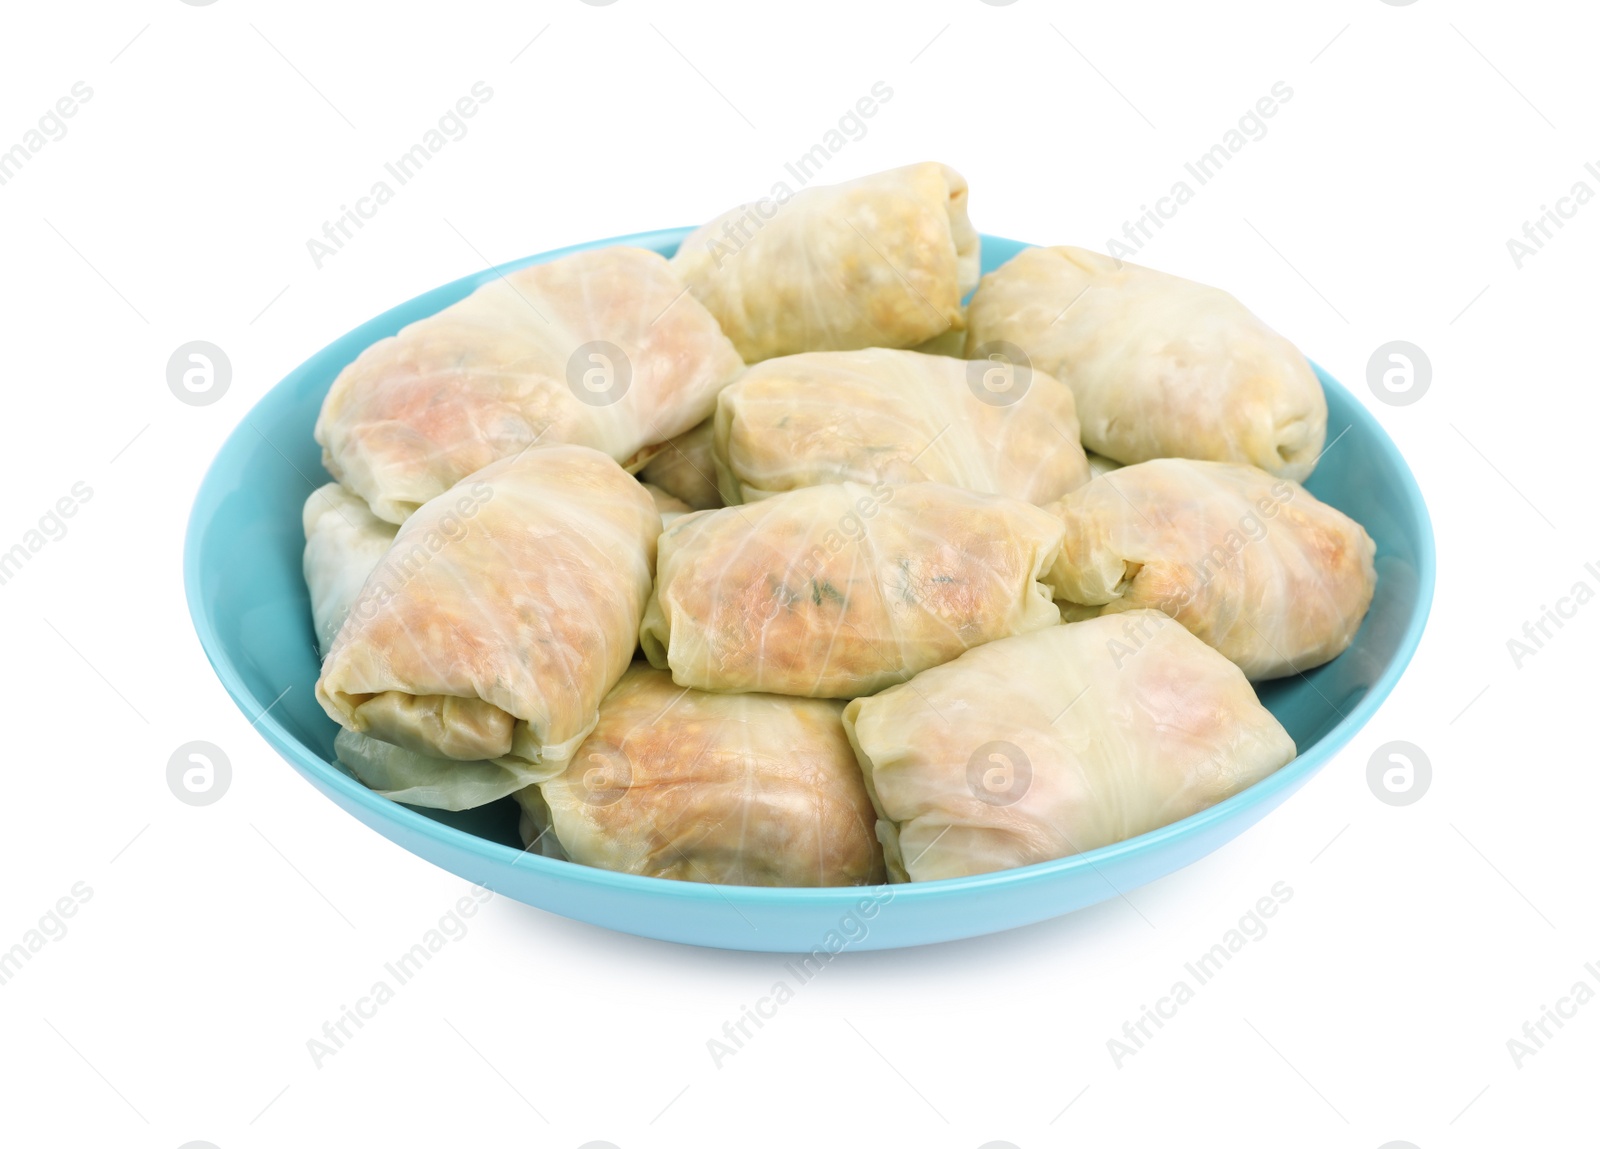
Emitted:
pixel 502 614
pixel 736 789
pixel 683 467
pixel 1057 742
pixel 1254 566
pixel 899 417
pixel 603 349
pixel 1160 366
pixel 882 261
pixel 840 590
pixel 344 542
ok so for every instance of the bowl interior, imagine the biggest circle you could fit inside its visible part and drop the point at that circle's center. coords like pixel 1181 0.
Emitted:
pixel 251 609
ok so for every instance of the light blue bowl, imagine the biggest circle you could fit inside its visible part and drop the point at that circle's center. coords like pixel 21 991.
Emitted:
pixel 249 603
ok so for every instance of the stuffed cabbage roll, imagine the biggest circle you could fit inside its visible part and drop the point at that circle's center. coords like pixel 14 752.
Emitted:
pixel 882 261
pixel 900 417
pixel 737 789
pixel 1159 366
pixel 841 590
pixel 683 467
pixel 1254 566
pixel 344 542
pixel 604 349
pixel 1056 743
pixel 501 616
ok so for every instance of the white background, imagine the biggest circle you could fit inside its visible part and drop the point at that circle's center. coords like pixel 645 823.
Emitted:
pixel 219 939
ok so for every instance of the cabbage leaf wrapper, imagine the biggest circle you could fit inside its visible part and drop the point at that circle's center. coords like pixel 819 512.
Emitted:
pixel 344 542
pixel 668 506
pixel 683 467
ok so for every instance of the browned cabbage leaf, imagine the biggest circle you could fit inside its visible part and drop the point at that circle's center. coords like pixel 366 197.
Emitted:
pixel 899 417
pixel 737 789
pixel 1056 743
pixel 1254 565
pixel 882 261
pixel 841 590
pixel 604 349
pixel 502 614
pixel 1160 366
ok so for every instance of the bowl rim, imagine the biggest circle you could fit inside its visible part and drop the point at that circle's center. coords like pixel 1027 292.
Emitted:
pixel 496 855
